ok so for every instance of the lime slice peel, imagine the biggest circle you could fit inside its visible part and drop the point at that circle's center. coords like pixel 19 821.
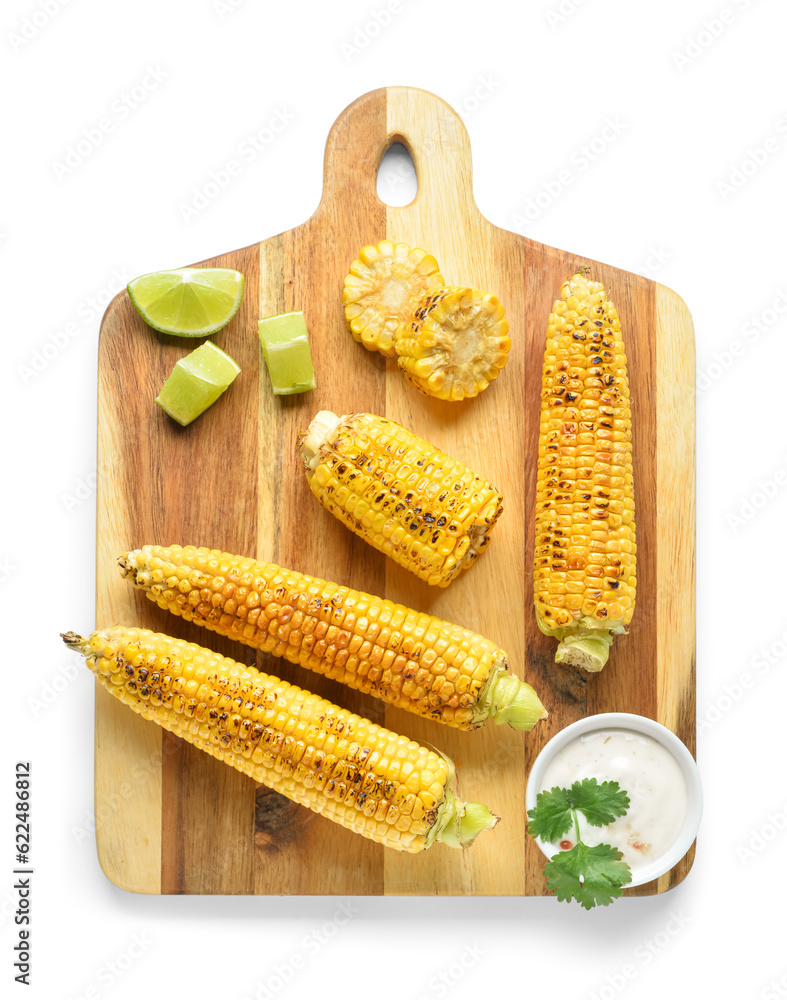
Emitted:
pixel 188 301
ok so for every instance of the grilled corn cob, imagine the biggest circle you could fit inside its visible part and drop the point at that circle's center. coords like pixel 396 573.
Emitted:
pixel 455 344
pixel 381 785
pixel 411 660
pixel 585 548
pixel 382 290
pixel 422 508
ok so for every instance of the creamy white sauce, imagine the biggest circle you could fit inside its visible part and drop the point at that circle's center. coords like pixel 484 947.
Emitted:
pixel 649 774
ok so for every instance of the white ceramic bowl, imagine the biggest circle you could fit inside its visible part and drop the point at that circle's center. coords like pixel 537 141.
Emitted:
pixel 647 727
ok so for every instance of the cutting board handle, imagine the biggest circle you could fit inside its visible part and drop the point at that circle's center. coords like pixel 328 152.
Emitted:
pixel 431 131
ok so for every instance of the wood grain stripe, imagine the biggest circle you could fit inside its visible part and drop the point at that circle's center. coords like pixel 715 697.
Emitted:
pixel 208 809
pixel 304 270
pixel 489 762
pixel 127 798
pixel 676 505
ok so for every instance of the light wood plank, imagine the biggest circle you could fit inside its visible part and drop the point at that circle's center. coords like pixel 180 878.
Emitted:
pixel 444 219
pixel 304 270
pixel 128 814
pixel 676 502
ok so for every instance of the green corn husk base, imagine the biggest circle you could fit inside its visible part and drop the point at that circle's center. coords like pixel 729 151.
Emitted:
pixel 459 823
pixel 509 701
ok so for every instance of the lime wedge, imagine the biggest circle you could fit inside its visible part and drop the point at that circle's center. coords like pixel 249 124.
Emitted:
pixel 196 383
pixel 189 301
pixel 285 347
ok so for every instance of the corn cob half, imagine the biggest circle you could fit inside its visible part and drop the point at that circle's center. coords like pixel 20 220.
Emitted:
pixel 383 289
pixel 585 547
pixel 455 344
pixel 414 661
pixel 419 506
pixel 383 786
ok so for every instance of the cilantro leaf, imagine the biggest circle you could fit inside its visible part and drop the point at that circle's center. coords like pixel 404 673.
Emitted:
pixel 600 803
pixel 591 875
pixel 552 816
pixel 567 887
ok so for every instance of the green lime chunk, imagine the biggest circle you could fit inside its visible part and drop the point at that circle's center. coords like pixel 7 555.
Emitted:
pixel 285 347
pixel 189 301
pixel 196 383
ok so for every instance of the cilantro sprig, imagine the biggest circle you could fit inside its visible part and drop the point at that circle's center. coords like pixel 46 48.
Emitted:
pixel 591 875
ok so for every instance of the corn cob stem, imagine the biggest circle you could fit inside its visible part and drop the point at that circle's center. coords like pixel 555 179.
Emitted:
pixel 381 785
pixel 417 662
pixel 587 651
pixel 582 645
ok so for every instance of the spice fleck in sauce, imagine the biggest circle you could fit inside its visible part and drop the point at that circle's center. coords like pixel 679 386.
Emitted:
pixel 646 771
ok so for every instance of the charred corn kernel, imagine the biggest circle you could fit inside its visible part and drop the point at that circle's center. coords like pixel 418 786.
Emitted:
pixel 373 645
pixel 419 506
pixel 319 755
pixel 455 344
pixel 382 290
pixel 585 548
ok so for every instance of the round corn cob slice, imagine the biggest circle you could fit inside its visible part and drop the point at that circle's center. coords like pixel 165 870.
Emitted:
pixel 382 290
pixel 417 662
pixel 344 767
pixel 419 506
pixel 585 546
pixel 455 344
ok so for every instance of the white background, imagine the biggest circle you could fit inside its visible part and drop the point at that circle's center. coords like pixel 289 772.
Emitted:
pixel 697 89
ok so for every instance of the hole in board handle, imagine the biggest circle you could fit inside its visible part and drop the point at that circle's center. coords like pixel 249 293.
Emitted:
pixel 397 181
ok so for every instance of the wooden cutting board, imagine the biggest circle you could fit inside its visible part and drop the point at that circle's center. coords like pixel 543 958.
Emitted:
pixel 170 819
